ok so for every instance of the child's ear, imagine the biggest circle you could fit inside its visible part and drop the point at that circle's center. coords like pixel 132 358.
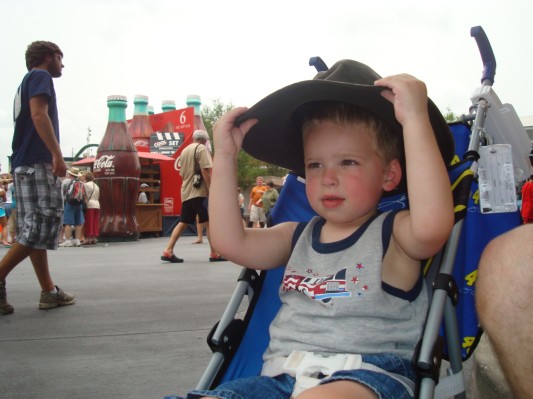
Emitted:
pixel 393 175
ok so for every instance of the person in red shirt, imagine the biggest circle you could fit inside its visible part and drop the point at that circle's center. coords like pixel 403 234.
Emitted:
pixel 527 201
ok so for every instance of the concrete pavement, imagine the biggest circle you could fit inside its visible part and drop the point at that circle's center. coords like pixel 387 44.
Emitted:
pixel 138 329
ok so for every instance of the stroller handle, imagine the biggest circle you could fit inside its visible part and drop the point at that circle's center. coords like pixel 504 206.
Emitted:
pixel 318 63
pixel 487 55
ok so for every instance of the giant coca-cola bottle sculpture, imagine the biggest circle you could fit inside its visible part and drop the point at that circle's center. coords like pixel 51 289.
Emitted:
pixel 168 106
pixel 140 128
pixel 116 171
pixel 194 100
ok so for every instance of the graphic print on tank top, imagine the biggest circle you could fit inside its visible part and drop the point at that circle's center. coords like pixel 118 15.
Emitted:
pixel 324 288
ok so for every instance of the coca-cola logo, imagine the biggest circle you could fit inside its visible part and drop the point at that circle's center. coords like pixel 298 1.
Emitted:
pixel 104 162
pixel 141 143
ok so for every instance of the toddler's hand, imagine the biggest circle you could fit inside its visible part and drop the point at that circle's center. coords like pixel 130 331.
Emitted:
pixel 407 94
pixel 228 137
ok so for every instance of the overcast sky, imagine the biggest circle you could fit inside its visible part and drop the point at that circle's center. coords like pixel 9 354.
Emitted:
pixel 240 51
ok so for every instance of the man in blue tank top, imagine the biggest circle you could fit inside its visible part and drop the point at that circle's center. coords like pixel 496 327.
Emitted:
pixel 38 165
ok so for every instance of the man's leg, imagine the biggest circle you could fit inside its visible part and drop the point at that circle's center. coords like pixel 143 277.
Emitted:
pixel 199 231
pixel 262 218
pixel 78 234
pixel 51 295
pixel 206 224
pixel 68 232
pixel 503 299
pixel 214 256
pixel 16 254
pixel 62 236
pixel 254 217
pixel 176 233
pixel 39 260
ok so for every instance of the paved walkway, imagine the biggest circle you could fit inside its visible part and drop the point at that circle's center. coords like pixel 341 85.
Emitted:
pixel 138 329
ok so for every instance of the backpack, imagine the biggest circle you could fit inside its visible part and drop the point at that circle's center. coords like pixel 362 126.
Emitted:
pixel 75 192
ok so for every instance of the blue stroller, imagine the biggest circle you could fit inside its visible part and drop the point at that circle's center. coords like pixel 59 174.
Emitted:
pixel 451 330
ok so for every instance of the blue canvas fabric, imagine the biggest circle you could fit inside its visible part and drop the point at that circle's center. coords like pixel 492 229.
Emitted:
pixel 478 230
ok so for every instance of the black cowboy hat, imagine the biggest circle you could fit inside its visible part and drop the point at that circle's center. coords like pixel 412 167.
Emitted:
pixel 277 137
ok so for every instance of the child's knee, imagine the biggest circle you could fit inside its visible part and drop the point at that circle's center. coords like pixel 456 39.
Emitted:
pixel 338 390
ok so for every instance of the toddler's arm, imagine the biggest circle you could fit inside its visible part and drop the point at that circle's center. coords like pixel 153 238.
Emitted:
pixel 254 248
pixel 423 230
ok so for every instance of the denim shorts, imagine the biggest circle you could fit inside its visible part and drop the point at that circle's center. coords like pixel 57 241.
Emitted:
pixel 281 386
pixel 73 215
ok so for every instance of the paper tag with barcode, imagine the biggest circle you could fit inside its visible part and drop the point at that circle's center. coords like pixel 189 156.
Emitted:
pixel 497 191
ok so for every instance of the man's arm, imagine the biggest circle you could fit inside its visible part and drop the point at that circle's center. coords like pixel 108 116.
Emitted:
pixel 45 129
pixel 206 175
pixel 205 162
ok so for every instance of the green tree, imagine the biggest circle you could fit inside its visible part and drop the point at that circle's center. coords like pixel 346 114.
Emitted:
pixel 248 167
pixel 212 113
pixel 449 116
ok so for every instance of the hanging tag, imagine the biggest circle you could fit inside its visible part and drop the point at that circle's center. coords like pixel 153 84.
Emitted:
pixel 496 179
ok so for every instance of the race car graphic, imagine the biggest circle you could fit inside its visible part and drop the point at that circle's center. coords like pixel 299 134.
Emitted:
pixel 319 288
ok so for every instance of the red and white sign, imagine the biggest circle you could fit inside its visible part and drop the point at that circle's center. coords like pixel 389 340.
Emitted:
pixel 172 133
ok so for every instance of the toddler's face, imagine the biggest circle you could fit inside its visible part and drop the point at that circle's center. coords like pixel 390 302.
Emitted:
pixel 344 172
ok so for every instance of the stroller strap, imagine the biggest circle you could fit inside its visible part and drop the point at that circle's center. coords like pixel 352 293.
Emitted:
pixel 309 368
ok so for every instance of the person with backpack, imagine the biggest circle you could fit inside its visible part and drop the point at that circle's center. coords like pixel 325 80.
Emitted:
pixel 74 195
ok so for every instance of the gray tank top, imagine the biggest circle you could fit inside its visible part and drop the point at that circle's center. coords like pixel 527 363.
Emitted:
pixel 334 301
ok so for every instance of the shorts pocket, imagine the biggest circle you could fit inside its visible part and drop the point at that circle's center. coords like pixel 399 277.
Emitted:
pixel 45 228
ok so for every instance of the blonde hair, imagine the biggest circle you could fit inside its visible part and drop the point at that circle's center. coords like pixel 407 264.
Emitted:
pixel 389 144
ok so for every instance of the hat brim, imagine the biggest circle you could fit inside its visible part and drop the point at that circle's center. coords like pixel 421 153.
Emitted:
pixel 277 140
